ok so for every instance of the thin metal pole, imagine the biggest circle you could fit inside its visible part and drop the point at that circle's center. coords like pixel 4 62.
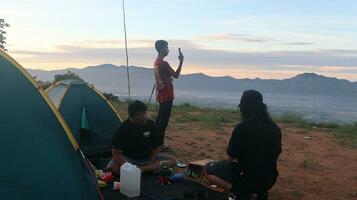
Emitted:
pixel 126 51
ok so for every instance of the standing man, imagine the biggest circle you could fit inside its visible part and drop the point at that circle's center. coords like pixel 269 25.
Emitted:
pixel 164 87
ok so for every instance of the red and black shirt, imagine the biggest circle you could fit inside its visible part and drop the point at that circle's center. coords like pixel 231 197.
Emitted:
pixel 163 76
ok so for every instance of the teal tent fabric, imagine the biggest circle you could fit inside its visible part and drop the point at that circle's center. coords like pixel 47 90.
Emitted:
pixel 38 161
pixel 82 107
pixel 85 123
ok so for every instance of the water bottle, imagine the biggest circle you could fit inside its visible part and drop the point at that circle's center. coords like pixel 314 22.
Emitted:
pixel 130 180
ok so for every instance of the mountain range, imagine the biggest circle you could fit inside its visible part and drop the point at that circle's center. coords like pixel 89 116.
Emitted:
pixel 314 97
pixel 113 79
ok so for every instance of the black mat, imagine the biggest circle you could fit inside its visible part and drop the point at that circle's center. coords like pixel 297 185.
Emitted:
pixel 150 190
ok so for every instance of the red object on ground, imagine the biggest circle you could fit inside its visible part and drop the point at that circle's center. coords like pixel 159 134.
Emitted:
pixel 116 185
pixel 163 180
pixel 107 177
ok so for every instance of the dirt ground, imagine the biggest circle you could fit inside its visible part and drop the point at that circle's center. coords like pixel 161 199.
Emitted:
pixel 312 166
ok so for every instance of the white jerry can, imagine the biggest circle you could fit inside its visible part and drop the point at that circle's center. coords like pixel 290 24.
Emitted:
pixel 130 180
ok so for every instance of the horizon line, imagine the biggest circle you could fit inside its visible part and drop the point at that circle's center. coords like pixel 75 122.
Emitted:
pixel 213 76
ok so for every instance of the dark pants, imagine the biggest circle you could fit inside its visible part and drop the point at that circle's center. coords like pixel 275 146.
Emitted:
pixel 162 119
pixel 223 169
pixel 231 172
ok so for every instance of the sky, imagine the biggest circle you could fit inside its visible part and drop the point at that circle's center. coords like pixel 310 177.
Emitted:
pixel 239 38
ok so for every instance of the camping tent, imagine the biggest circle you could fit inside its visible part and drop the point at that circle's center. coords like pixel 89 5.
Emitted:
pixel 89 115
pixel 40 159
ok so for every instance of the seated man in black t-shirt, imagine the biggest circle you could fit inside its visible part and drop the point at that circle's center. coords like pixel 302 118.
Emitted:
pixel 136 142
pixel 252 151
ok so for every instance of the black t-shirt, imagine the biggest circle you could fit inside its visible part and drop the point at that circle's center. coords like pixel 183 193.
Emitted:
pixel 136 142
pixel 256 145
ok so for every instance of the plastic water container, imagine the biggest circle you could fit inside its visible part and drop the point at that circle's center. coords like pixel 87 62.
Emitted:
pixel 130 180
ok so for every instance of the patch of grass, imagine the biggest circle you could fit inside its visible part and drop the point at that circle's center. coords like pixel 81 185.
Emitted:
pixel 221 131
pixel 204 118
pixel 346 134
pixel 218 119
pixel 202 154
pixel 299 121
pixel 347 128
pixel 200 138
pixel 219 138
pixel 185 107
pixel 310 163
pixel 121 107
pixel 208 118
pixel 215 116
pixel 292 118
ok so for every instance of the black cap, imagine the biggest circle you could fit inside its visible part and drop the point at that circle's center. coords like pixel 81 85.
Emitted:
pixel 251 97
pixel 135 107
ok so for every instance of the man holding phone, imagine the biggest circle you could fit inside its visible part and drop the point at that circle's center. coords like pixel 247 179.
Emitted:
pixel 164 87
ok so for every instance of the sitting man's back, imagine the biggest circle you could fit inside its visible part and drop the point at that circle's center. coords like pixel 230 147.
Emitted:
pixel 256 145
pixel 252 151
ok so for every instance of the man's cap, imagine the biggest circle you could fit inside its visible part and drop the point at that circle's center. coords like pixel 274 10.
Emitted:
pixel 135 107
pixel 251 97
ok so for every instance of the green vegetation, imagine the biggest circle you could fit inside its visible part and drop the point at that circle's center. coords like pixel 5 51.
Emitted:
pixel 298 121
pixel 60 77
pixel 67 75
pixel 111 97
pixel 215 119
pixel 310 163
pixel 3 25
pixel 189 113
pixel 44 85
pixel 346 134
pixel 218 120
pixel 292 118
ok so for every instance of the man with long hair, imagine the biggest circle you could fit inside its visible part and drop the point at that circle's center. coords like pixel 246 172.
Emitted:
pixel 253 151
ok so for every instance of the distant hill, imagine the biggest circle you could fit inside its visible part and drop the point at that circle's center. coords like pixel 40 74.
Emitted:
pixel 111 78
pixel 312 96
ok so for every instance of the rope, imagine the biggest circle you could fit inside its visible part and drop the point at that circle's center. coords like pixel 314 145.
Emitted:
pixel 126 51
pixel 152 92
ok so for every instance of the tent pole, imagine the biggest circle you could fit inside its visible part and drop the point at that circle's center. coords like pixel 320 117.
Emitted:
pixel 126 51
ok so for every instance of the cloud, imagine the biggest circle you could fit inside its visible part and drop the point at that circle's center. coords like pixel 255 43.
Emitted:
pixel 141 52
pixel 338 21
pixel 238 38
pixel 342 52
pixel 298 43
pixel 132 43
pixel 269 58
pixel 338 69
pixel 198 56
pixel 234 37
pixel 336 61
pixel 234 21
